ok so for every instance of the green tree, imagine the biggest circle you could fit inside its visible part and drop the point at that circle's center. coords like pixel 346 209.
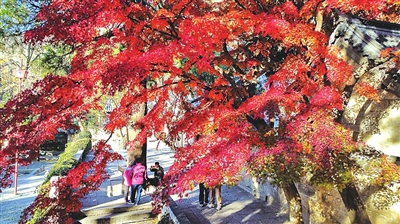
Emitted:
pixel 17 17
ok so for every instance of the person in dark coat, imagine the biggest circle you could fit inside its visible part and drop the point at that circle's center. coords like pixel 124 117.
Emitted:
pixel 203 195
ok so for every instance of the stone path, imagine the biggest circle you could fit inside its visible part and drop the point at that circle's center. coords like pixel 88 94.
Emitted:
pixel 238 206
pixel 29 178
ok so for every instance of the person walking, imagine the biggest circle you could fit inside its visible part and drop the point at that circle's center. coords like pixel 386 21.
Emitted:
pixel 139 177
pixel 128 181
pixel 203 195
pixel 215 196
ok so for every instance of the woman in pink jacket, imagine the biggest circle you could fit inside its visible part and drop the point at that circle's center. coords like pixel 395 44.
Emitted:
pixel 139 176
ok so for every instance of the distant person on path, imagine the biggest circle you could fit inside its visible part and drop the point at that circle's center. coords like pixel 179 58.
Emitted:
pixel 128 181
pixel 203 195
pixel 138 179
pixel 158 174
pixel 215 193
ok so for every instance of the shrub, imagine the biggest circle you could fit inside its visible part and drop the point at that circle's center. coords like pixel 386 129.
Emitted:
pixel 45 209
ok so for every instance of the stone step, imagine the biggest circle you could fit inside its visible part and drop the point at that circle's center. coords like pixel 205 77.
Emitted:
pixel 113 209
pixel 142 216
pixel 119 214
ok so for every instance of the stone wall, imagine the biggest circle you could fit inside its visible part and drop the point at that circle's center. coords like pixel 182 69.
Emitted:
pixel 325 206
pixel 272 195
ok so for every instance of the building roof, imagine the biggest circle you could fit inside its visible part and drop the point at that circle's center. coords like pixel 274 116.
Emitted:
pixel 362 40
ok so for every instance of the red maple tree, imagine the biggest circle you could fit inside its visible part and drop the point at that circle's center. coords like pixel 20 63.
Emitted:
pixel 225 70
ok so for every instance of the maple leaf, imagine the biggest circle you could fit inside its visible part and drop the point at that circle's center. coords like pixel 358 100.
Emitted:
pixel 367 90
pixel 328 98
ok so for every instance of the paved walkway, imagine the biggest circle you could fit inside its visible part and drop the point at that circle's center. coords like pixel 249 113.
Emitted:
pixel 238 206
pixel 29 178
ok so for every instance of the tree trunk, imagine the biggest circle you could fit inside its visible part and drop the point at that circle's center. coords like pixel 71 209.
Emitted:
pixel 144 154
pixel 294 202
pixel 144 146
pixel 354 204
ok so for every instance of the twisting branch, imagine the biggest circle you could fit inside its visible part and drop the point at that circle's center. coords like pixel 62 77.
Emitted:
pixel 240 4
pixel 162 32
pixel 225 48
pixel 135 20
pixel 181 11
pixel 261 5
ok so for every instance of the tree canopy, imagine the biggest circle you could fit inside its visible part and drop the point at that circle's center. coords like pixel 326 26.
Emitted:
pixel 18 16
pixel 15 53
pixel 222 73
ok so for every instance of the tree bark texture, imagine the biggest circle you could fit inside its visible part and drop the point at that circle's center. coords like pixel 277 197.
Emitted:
pixel 354 204
pixel 294 202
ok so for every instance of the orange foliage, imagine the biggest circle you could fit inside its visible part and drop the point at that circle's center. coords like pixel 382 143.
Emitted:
pixel 367 90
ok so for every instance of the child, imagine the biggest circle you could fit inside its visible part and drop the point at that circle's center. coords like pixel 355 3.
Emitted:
pixel 128 181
